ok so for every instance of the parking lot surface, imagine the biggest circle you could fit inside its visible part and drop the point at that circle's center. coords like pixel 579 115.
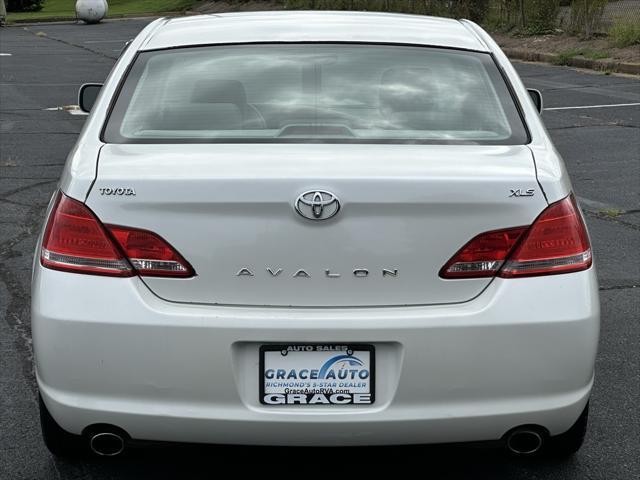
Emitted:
pixel 40 71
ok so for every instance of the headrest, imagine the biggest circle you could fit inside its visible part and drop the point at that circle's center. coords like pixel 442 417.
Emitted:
pixel 204 116
pixel 219 91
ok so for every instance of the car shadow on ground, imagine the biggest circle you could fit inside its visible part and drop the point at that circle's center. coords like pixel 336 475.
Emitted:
pixel 199 462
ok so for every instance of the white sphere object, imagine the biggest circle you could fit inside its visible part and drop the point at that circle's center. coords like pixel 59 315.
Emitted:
pixel 91 11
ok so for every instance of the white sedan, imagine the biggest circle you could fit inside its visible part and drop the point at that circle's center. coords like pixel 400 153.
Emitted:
pixel 305 228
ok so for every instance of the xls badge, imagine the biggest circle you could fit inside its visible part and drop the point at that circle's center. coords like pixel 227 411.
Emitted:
pixel 521 192
pixel 317 374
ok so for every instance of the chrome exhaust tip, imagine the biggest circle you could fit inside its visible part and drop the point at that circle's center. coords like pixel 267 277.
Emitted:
pixel 106 444
pixel 524 441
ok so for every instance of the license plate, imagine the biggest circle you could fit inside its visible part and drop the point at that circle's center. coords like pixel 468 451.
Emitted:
pixel 317 374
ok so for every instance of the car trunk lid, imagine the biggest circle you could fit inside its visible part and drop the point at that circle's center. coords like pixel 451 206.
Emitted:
pixel 229 210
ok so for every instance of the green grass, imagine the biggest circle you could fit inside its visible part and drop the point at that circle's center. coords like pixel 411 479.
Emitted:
pixel 624 33
pixel 594 54
pixel 565 56
pixel 610 212
pixel 65 9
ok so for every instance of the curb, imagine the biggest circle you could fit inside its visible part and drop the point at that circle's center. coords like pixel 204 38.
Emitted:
pixel 600 65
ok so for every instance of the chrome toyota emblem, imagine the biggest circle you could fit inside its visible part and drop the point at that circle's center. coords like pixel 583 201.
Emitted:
pixel 317 205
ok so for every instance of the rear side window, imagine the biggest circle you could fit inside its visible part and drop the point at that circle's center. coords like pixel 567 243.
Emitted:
pixel 314 92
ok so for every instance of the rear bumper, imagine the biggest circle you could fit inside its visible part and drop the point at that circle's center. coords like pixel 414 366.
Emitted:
pixel 109 351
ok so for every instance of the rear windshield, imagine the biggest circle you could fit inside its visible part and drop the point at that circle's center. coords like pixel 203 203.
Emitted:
pixel 314 92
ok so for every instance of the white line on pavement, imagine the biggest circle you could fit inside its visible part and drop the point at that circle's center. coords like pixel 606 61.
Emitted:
pixel 5 54
pixel 595 106
pixel 106 41
pixel 21 84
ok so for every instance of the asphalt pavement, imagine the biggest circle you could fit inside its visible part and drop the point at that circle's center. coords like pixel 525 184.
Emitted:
pixel 41 68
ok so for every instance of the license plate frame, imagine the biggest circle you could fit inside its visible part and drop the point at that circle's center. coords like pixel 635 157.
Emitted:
pixel 320 349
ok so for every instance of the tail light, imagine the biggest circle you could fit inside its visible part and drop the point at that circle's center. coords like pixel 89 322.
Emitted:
pixel 556 242
pixel 149 254
pixel 76 241
pixel 483 255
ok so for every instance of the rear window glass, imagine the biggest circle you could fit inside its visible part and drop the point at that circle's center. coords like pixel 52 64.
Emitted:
pixel 315 92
